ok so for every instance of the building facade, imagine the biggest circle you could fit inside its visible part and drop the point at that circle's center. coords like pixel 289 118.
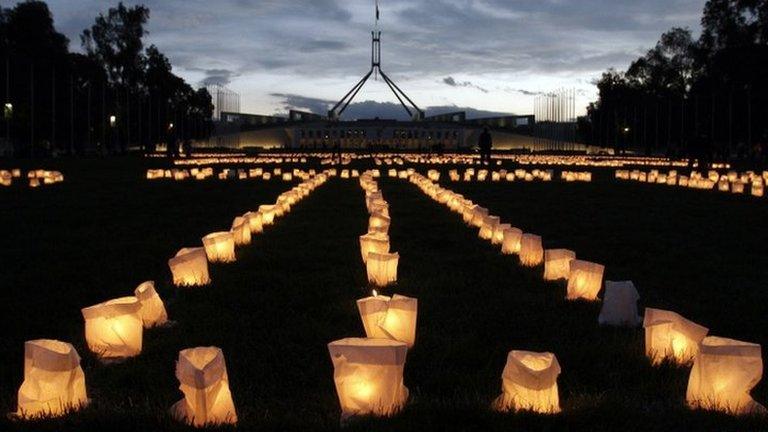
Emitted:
pixel 379 134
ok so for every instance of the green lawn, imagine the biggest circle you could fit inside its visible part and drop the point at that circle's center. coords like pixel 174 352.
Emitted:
pixel 106 229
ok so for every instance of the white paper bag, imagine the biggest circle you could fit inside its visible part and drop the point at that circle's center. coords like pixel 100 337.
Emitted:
pixel 529 382
pixel 669 335
pixel 202 375
pixel 368 374
pixel 724 371
pixel 152 310
pixel 190 267
pixel 619 305
pixel 53 379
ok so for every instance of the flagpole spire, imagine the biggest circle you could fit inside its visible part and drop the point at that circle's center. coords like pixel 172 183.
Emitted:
pixel 414 112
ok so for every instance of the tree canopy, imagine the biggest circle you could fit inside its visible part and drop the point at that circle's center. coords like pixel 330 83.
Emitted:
pixel 690 96
pixel 62 101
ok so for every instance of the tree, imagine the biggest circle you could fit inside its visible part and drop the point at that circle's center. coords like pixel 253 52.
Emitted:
pixel 115 40
pixel 33 50
pixel 696 96
pixel 668 68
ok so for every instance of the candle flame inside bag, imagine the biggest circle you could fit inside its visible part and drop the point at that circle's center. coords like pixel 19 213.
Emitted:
pixel 670 336
pixel 368 374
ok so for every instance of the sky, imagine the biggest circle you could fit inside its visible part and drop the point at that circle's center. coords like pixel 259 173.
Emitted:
pixel 485 56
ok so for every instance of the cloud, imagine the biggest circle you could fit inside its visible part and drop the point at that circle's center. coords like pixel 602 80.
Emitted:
pixel 218 76
pixel 303 103
pixel 453 83
pixel 371 109
pixel 323 45
pixel 557 43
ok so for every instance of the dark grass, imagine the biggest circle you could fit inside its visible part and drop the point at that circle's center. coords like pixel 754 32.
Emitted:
pixel 273 312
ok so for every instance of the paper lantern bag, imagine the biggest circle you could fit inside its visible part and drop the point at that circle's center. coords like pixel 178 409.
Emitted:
pixel 190 267
pixel 378 222
pixel 498 233
pixel 368 374
pixel 373 242
pixel 202 374
pixel 220 247
pixel 557 263
pixel 254 222
pixel 152 310
pixel 511 242
pixel 53 379
pixel 669 335
pixel 382 268
pixel 372 311
pixel 241 231
pixel 399 321
pixel 619 305
pixel 585 279
pixel 268 213
pixel 724 371
pixel 529 382
pixel 531 250
pixel 114 329
pixel 488 226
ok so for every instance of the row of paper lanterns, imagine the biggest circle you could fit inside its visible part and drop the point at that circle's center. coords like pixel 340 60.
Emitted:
pixel 445 159
pixel 329 158
pixel 576 176
pixel 54 382
pixel 36 178
pixel 733 182
pixel 546 160
pixel 381 264
pixel 529 379
pixel 368 372
pixel 724 370
pixel 228 174
pixel 504 175
pixel 347 174
pixel 483 175
pixel 242 159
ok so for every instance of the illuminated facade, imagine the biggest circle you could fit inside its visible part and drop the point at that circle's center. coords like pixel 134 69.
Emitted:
pixel 379 134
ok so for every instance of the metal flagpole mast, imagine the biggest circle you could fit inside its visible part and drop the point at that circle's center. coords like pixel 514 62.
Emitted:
pixel 413 111
pixel 376 55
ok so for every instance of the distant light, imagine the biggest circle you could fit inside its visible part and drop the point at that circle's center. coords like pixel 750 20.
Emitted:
pixel 8 111
pixel 112 120
pixel 170 126
pixel 626 130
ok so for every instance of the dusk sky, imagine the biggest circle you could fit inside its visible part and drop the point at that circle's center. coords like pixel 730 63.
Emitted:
pixel 491 55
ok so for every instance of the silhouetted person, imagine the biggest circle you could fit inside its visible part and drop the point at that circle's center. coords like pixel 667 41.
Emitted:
pixel 187 148
pixel 337 152
pixel 486 144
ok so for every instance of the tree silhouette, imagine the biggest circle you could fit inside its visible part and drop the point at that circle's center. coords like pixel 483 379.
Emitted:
pixel 700 98
pixel 62 101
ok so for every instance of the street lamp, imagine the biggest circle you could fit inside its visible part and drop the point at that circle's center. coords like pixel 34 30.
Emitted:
pixel 8 110
pixel 112 120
